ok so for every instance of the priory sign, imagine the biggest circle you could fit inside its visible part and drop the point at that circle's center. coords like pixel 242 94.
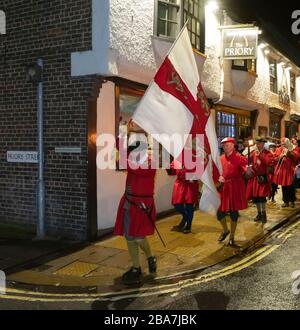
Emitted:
pixel 239 43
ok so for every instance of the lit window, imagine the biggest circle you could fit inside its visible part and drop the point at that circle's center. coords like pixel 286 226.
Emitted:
pixel 273 76
pixel 293 86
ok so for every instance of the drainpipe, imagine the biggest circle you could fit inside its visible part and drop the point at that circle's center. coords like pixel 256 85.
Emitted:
pixel 40 183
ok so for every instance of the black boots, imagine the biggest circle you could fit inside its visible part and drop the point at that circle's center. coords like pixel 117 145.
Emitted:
pixel 223 236
pixel 264 217
pixel 133 276
pixel 180 226
pixel 187 229
pixel 152 265
pixel 258 217
pixel 261 216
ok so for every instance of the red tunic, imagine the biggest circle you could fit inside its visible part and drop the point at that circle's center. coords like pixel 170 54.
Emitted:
pixel 285 168
pixel 184 191
pixel 139 188
pixel 255 189
pixel 233 192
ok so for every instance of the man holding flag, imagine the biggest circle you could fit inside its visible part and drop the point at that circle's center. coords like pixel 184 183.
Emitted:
pixel 175 109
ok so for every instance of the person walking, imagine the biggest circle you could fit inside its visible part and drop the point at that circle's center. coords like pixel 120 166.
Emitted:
pixel 287 159
pixel 274 187
pixel 136 212
pixel 232 190
pixel 259 185
pixel 184 197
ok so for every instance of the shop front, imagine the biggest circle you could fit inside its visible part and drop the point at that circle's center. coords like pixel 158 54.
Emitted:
pixel 292 126
pixel 275 125
pixel 233 122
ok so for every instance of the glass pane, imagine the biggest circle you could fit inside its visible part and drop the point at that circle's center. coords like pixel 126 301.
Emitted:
pixel 198 28
pixel 162 11
pixel 191 7
pixel 161 28
pixel 193 25
pixel 196 10
pixel 172 29
pixel 193 39
pixel 186 5
pixel 128 104
pixel 189 24
pixel 172 13
pixel 198 43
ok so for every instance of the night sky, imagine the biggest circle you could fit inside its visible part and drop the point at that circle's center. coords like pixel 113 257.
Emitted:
pixel 271 16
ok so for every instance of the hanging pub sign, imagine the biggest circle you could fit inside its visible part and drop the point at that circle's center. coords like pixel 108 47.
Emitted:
pixel 239 43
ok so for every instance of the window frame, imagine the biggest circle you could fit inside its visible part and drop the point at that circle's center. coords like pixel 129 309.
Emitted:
pixel 181 14
pixel 179 23
pixel 273 79
pixel 133 88
pixel 247 65
pixel 242 119
pixel 201 21
pixel 293 89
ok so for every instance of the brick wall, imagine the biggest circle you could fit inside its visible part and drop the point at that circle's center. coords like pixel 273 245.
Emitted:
pixel 50 30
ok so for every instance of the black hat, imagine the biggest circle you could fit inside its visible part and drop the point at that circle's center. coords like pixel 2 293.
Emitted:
pixel 259 139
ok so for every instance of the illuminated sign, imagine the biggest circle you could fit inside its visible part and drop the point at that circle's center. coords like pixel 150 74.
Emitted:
pixel 239 43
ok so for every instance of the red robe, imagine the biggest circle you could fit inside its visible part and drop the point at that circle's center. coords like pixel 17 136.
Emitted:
pixel 233 192
pixel 139 188
pixel 285 168
pixel 184 191
pixel 255 189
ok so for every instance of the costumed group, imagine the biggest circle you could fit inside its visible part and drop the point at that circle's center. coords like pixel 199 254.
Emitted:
pixel 252 175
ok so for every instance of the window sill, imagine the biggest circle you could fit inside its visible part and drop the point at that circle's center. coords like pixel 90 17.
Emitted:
pixel 199 53
pixel 253 73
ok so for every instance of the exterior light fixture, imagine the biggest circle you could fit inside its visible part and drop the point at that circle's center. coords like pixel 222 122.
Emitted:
pixel 289 67
pixel 212 6
pixel 260 32
pixel 262 45
pixel 34 73
pixel 267 51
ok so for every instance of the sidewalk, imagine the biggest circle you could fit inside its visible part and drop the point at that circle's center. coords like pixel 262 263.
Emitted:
pixel 98 267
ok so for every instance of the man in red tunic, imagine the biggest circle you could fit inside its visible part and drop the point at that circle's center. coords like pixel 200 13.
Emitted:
pixel 274 187
pixel 184 197
pixel 259 185
pixel 233 191
pixel 287 159
pixel 136 213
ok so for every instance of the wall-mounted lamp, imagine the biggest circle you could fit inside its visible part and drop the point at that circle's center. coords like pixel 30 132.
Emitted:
pixel 34 73
pixel 267 51
pixel 262 45
pixel 212 6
